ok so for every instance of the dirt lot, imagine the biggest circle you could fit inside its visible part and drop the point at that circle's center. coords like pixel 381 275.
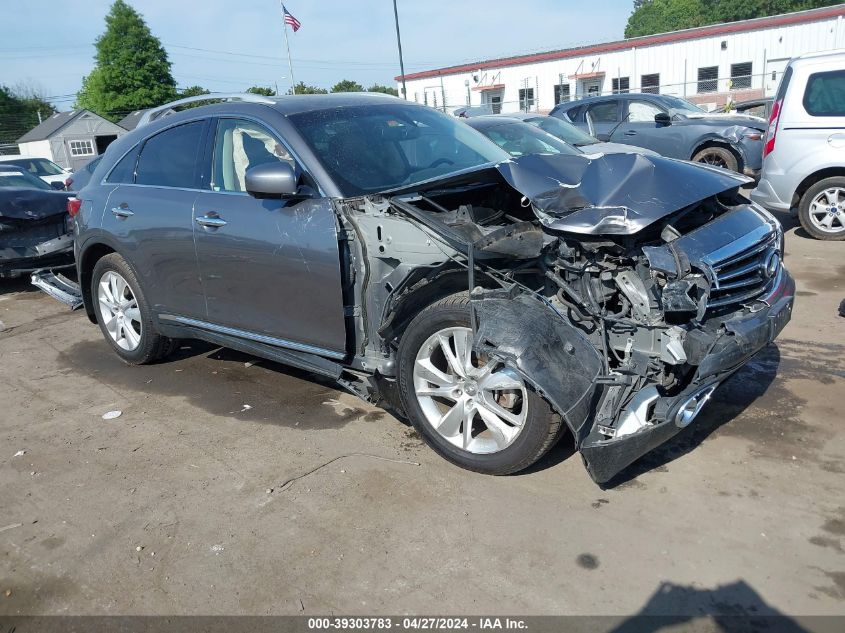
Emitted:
pixel 179 505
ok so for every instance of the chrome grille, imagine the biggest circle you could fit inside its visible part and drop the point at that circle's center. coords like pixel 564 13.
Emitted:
pixel 743 275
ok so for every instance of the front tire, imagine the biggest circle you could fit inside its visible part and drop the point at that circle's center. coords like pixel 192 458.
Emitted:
pixel 123 313
pixel 475 412
pixel 822 209
pixel 718 157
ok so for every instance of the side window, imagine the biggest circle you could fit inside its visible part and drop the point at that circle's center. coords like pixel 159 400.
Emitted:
pixel 124 171
pixel 170 158
pixel 239 145
pixel 642 112
pixel 607 112
pixel 825 94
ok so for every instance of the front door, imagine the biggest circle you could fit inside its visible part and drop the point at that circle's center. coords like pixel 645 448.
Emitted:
pixel 269 267
pixel 639 128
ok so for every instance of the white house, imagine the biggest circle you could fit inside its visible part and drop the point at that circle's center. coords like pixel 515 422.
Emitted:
pixel 70 139
pixel 706 65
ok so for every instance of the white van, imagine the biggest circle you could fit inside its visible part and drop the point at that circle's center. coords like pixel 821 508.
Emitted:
pixel 804 149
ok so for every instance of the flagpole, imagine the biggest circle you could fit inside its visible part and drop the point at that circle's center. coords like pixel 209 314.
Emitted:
pixel 290 63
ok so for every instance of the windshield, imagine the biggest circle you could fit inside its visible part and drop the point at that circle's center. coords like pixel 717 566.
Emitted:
pixel 373 148
pixel 21 179
pixel 680 106
pixel 37 166
pixel 520 139
pixel 563 130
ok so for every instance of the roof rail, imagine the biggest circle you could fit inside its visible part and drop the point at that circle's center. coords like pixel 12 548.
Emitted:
pixel 151 114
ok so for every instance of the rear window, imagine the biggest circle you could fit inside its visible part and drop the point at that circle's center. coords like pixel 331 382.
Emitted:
pixel 825 94
pixel 170 158
pixel 784 84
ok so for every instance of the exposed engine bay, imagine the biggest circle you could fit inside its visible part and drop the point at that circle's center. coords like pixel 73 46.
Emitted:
pixel 622 307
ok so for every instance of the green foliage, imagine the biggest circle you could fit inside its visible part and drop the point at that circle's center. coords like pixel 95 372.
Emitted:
pixel 659 16
pixel 303 89
pixel 261 90
pixel 195 91
pixel 19 108
pixel 132 70
pixel 385 89
pixel 347 85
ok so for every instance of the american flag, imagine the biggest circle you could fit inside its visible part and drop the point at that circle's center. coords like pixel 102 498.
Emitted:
pixel 290 20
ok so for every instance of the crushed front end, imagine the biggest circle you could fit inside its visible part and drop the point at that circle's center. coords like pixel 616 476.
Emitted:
pixel 624 289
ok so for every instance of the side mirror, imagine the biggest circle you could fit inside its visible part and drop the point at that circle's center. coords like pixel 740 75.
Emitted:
pixel 57 185
pixel 661 118
pixel 271 179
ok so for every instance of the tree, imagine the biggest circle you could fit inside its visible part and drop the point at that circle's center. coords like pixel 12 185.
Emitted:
pixel 660 16
pixel 19 110
pixel 194 91
pixel 261 90
pixel 132 70
pixel 347 85
pixel 303 89
pixel 385 89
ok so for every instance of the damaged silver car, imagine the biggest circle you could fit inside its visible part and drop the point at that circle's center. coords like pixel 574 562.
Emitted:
pixel 497 302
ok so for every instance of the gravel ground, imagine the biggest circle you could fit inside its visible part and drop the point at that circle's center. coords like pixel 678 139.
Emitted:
pixel 180 505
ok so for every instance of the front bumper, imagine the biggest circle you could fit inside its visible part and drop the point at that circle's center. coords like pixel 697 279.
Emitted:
pixel 743 336
pixel 20 260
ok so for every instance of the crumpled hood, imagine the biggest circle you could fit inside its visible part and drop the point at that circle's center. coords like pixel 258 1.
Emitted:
pixel 615 194
pixel 19 203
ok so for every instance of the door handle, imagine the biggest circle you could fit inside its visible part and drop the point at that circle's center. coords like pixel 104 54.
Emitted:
pixel 630 133
pixel 122 211
pixel 211 222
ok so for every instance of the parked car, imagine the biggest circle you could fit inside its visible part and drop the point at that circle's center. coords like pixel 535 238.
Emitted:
pixel 45 169
pixel 342 234
pixel 671 127
pixel 518 138
pixel 755 107
pixel 34 224
pixel 78 179
pixel 466 112
pixel 804 164
pixel 573 135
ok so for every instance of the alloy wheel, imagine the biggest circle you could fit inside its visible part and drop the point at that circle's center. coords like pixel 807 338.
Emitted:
pixel 477 404
pixel 827 210
pixel 119 311
pixel 713 159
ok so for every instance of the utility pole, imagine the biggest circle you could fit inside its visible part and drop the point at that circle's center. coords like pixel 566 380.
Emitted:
pixel 399 44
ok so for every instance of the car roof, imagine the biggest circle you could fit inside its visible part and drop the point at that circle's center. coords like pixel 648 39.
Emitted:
pixel 624 96
pixel 489 120
pixel 835 54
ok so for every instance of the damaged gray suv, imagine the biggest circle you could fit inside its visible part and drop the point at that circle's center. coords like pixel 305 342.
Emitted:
pixel 496 302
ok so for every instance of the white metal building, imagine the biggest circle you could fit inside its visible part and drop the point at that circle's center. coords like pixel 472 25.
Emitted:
pixel 706 65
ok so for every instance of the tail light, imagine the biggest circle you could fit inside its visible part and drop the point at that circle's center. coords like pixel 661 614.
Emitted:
pixel 772 130
pixel 73 206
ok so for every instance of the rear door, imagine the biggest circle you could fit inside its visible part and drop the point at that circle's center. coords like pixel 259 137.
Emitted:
pixel 150 214
pixel 602 117
pixel 640 129
pixel 270 267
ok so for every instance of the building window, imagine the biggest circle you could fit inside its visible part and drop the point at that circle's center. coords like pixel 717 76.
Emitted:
pixel 741 75
pixel 562 93
pixel 708 79
pixel 526 99
pixel 81 148
pixel 650 83
pixel 621 84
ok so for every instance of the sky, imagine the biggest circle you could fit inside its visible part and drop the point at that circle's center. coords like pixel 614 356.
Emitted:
pixel 230 45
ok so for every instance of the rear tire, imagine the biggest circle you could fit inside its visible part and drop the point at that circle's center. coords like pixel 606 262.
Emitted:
pixel 822 209
pixel 501 425
pixel 123 313
pixel 718 157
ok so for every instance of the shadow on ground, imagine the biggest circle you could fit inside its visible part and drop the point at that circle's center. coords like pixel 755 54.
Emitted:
pixel 732 608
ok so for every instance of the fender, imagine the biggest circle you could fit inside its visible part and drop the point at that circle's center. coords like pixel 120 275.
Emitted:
pixel 552 355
